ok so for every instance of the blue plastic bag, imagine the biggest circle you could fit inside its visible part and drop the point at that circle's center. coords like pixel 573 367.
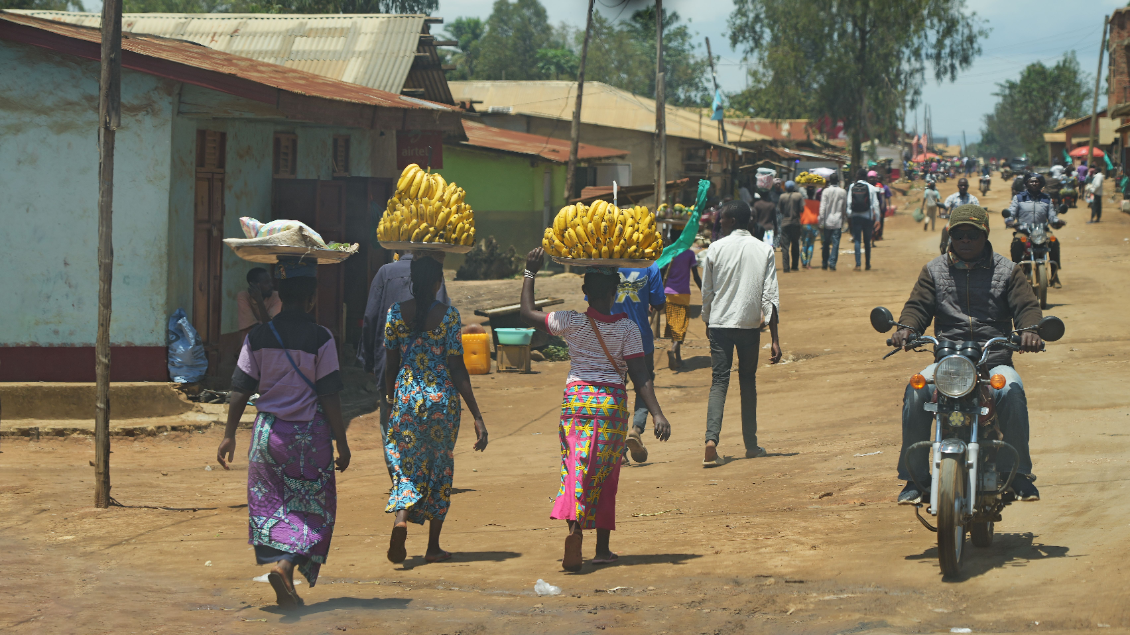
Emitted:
pixel 187 360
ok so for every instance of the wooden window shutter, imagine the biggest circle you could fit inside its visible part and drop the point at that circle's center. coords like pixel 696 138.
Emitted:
pixel 210 150
pixel 341 156
pixel 285 156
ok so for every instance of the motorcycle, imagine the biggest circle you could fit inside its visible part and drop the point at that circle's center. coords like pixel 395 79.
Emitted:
pixel 1038 266
pixel 1006 173
pixel 967 493
pixel 986 182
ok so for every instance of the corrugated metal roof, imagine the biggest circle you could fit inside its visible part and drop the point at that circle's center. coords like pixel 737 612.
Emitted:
pixel 603 105
pixel 483 136
pixel 780 129
pixel 371 50
pixel 203 66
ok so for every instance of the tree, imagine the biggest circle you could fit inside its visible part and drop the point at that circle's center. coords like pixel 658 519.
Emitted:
pixel 862 61
pixel 514 35
pixel 469 33
pixel 1032 105
pixel 557 63
pixel 42 5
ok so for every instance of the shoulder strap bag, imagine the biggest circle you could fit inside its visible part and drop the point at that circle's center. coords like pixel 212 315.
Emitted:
pixel 291 359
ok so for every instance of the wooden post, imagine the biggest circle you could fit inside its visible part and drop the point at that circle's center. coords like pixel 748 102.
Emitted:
pixel 660 112
pixel 1095 101
pixel 109 120
pixel 714 78
pixel 575 133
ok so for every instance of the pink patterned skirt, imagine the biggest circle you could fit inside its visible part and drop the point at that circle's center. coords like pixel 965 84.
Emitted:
pixel 594 428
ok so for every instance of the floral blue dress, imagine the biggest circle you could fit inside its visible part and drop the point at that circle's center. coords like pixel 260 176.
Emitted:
pixel 424 422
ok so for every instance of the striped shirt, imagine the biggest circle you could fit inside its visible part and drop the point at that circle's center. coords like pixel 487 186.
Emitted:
pixel 588 363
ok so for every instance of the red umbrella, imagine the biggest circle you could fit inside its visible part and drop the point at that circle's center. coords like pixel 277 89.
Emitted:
pixel 1082 152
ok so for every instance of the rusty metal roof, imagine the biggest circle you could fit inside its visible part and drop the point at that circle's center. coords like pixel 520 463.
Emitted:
pixel 483 136
pixel 290 90
pixel 603 105
pixel 372 50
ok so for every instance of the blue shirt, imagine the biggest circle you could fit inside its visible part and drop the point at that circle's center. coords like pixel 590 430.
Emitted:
pixel 639 289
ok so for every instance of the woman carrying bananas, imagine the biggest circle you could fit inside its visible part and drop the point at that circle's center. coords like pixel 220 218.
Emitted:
pixel 594 411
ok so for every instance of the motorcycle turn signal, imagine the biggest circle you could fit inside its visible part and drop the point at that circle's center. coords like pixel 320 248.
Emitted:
pixel 917 381
pixel 997 381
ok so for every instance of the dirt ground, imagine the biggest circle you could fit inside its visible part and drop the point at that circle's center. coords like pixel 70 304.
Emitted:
pixel 807 540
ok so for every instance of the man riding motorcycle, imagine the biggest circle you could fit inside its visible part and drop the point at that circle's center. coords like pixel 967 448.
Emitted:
pixel 953 201
pixel 1030 207
pixel 971 294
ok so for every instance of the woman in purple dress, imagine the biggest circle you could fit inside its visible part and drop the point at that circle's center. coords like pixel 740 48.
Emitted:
pixel 291 491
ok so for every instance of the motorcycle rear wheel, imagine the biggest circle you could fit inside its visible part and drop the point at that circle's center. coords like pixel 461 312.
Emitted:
pixel 1042 285
pixel 951 509
pixel 981 534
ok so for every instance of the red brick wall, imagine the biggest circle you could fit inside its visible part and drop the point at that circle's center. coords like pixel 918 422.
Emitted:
pixel 1119 38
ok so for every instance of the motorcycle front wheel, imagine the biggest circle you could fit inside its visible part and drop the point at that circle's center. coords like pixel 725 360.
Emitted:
pixel 981 534
pixel 951 509
pixel 1042 285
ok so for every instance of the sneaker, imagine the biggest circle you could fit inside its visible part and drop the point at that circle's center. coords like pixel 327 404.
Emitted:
pixel 1024 489
pixel 869 267
pixel 756 453
pixel 857 268
pixel 636 446
pixel 911 496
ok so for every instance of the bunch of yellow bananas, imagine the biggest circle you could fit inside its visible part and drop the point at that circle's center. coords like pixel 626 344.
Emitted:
pixel 603 231
pixel 427 209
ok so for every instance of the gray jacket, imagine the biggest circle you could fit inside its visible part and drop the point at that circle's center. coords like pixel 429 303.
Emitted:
pixel 1028 211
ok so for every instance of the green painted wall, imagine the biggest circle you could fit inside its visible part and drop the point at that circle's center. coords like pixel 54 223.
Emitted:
pixel 507 193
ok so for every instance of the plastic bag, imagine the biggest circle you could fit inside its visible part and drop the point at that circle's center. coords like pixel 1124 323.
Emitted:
pixel 541 587
pixel 187 360
pixel 254 229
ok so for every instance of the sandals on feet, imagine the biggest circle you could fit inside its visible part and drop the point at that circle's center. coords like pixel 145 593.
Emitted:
pixel 285 596
pixel 611 559
pixel 443 555
pixel 396 551
pixel 572 560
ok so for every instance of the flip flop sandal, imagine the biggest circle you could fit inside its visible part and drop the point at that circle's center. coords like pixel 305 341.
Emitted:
pixel 440 558
pixel 396 551
pixel 572 561
pixel 285 597
pixel 636 447
pixel 671 363
pixel 717 462
pixel 609 560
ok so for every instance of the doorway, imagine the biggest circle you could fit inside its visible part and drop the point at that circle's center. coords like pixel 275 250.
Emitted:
pixel 207 243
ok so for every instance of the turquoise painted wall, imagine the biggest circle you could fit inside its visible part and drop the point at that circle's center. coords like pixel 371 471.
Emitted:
pixel 506 191
pixel 49 205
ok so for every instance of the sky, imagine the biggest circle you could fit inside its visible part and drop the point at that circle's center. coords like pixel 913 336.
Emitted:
pixel 1020 34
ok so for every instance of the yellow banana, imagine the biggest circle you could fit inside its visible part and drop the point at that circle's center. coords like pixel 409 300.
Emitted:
pixel 598 215
pixel 618 233
pixel 441 185
pixel 409 229
pixel 649 254
pixel 616 251
pixel 417 235
pixel 406 176
pixel 633 252
pixel 604 252
pixel 444 216
pixel 570 238
pixel 593 236
pixel 417 183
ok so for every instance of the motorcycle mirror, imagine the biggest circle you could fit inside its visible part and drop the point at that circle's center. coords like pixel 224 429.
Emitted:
pixel 1004 213
pixel 1050 328
pixel 881 319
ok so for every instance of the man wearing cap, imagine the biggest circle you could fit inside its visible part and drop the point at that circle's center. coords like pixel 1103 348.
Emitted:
pixel 973 294
pixel 1028 208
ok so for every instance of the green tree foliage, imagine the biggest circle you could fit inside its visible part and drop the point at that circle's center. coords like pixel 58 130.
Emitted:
pixel 469 33
pixel 1031 105
pixel 862 61
pixel 557 63
pixel 42 5
pixel 515 32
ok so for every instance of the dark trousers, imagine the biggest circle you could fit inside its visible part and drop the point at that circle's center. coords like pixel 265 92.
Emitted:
pixel 790 243
pixel 1097 208
pixel 758 232
pixel 639 418
pixel 723 342
pixel 861 229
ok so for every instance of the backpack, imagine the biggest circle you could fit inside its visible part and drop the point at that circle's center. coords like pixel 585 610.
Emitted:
pixel 861 199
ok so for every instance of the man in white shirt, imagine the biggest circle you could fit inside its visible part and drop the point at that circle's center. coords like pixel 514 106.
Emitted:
pixel 833 217
pixel 739 293
pixel 1095 189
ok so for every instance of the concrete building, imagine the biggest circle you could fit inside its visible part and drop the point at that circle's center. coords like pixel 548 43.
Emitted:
pixel 206 137
pixel 616 118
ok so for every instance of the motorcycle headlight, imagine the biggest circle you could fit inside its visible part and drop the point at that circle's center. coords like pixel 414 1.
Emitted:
pixel 955 376
pixel 1039 237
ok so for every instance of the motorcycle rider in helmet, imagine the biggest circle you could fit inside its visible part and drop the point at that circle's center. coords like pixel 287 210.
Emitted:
pixel 1030 207
pixel 973 294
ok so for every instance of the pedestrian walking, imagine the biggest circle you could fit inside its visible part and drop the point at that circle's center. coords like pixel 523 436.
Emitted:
pixel 603 346
pixel 291 363
pixel 955 200
pixel 764 223
pixel 424 379
pixel 833 216
pixel 739 294
pixel 931 198
pixel 789 208
pixel 863 203
pixel 1094 190
pixel 639 294
pixel 809 218
pixel 677 287
pixel 392 284
pixel 258 303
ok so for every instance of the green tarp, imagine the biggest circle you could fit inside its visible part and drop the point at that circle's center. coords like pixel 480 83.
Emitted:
pixel 686 239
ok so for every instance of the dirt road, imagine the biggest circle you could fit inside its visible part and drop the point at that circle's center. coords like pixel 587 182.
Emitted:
pixel 807 540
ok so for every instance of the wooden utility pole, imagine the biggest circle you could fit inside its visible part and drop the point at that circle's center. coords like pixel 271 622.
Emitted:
pixel 575 135
pixel 714 78
pixel 1095 101
pixel 109 120
pixel 660 112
